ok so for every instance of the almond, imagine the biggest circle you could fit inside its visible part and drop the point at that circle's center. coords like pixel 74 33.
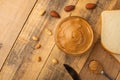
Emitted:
pixel 91 5
pixel 69 8
pixel 54 14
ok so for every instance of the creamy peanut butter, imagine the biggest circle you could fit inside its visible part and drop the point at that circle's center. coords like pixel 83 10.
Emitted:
pixel 74 35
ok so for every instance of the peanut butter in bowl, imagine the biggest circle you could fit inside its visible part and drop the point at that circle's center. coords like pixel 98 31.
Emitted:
pixel 74 35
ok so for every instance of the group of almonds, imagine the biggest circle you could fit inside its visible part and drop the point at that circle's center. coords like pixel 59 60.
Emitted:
pixel 53 13
pixel 69 8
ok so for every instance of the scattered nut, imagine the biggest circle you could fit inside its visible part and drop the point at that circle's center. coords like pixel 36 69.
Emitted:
pixel 69 8
pixel 35 38
pixel 55 61
pixel 48 32
pixel 36 58
pixel 37 46
pixel 54 14
pixel 42 12
pixel 91 5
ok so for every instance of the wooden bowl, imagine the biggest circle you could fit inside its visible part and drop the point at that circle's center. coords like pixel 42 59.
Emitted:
pixel 74 35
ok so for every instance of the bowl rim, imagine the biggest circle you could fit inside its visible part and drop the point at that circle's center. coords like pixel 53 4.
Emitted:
pixel 79 52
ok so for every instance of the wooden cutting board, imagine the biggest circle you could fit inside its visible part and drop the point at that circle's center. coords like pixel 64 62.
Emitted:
pixel 110 65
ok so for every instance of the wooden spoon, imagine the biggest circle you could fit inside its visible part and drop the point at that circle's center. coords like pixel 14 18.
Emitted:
pixel 97 68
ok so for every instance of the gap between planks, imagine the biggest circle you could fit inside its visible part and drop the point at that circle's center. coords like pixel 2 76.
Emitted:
pixel 75 3
pixel 19 33
pixel 94 24
pixel 7 47
pixel 17 74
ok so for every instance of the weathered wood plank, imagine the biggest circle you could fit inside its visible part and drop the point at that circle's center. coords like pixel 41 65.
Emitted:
pixel 19 64
pixel 13 14
pixel 111 66
pixel 118 77
pixel 93 17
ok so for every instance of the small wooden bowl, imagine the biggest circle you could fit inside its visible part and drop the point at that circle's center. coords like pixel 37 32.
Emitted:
pixel 74 35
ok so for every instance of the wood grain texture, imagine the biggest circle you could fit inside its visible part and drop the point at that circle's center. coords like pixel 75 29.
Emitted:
pixel 77 63
pixel 118 77
pixel 117 57
pixel 20 64
pixel 13 14
pixel 111 66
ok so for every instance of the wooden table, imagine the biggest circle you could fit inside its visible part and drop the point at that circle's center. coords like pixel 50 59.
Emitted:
pixel 21 19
